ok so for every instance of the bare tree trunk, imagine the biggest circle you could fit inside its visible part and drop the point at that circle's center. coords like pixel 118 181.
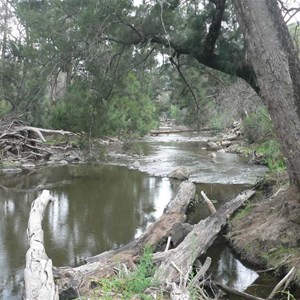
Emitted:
pixel 38 276
pixel 277 67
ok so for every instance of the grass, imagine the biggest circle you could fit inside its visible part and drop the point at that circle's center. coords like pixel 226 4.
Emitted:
pixel 131 284
pixel 272 155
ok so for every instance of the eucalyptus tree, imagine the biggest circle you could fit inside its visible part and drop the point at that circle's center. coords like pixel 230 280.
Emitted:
pixel 263 55
pixel 85 71
pixel 98 42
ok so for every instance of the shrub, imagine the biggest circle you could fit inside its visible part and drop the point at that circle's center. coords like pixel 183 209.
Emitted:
pixel 257 126
pixel 272 155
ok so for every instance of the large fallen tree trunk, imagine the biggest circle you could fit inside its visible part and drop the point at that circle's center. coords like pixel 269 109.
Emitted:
pixel 172 264
pixel 38 276
pixel 73 282
pixel 179 260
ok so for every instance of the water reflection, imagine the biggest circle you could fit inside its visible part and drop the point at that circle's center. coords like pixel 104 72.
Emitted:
pixel 230 271
pixel 227 269
pixel 95 209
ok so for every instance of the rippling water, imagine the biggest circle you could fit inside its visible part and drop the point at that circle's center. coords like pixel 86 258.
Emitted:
pixel 98 208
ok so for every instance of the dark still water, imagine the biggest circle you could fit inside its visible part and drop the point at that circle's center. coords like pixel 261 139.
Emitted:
pixel 96 209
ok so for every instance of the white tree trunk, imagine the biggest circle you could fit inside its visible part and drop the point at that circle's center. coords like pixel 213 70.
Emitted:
pixel 38 276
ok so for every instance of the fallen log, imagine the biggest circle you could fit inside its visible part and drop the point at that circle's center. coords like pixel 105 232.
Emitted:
pixel 196 242
pixel 170 131
pixel 38 276
pixel 286 279
pixel 232 291
pixel 73 282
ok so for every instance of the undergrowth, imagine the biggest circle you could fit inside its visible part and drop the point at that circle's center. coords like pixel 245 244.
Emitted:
pixel 272 155
pixel 133 283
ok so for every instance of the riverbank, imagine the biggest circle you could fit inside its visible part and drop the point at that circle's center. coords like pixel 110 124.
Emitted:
pixel 140 154
pixel 266 232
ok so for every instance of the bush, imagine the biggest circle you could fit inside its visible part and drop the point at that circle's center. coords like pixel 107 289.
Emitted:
pixel 257 127
pixel 128 111
pixel 272 155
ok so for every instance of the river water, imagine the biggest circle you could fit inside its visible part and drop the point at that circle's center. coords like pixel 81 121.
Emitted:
pixel 98 208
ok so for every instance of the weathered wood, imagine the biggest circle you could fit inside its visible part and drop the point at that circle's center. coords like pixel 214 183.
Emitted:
pixel 76 281
pixel 286 279
pixel 197 241
pixel 38 276
pixel 209 204
pixel 170 131
pixel 232 291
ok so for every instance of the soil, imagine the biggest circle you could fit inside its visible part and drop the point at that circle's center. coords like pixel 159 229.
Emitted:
pixel 267 231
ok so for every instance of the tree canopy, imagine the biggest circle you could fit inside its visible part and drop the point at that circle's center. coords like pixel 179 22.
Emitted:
pixel 99 66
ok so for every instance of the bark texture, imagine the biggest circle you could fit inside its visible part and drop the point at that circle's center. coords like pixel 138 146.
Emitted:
pixel 197 241
pixel 277 68
pixel 38 276
pixel 75 281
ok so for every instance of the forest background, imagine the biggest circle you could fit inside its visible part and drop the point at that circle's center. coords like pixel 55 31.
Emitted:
pixel 120 67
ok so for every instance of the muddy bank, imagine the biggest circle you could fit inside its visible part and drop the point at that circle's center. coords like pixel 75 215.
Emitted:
pixel 266 232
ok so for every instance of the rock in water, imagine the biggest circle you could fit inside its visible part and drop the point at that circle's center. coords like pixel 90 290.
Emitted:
pixel 213 146
pixel 180 173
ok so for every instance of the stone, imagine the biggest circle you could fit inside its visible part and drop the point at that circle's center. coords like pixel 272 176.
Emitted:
pixel 180 173
pixel 226 143
pixel 213 146
pixel 136 165
pixel 28 166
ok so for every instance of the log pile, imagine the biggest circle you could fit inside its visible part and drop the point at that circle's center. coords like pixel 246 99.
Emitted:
pixel 173 264
pixel 18 139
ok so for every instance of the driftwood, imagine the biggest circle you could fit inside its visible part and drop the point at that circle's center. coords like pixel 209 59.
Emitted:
pixel 232 291
pixel 174 131
pixel 209 204
pixel 18 138
pixel 170 131
pixel 75 281
pixel 286 280
pixel 197 241
pixel 38 276
pixel 172 264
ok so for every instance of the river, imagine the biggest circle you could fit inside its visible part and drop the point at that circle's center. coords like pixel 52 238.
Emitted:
pixel 100 207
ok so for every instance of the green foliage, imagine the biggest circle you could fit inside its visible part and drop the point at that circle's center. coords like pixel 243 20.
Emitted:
pixel 134 283
pixel 257 127
pixel 294 30
pixel 215 122
pixel 128 111
pixel 272 155
pixel 5 107
pixel 73 112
